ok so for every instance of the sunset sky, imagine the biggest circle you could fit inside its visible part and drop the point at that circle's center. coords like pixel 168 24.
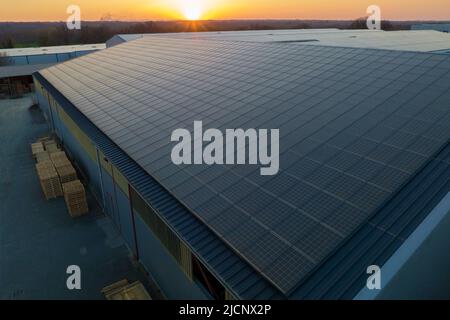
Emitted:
pixel 55 10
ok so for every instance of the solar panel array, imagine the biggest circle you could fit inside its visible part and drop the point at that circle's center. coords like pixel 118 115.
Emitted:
pixel 355 124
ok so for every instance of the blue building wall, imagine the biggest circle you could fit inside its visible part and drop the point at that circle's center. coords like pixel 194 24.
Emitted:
pixel 82 160
pixel 162 267
pixel 20 61
pixel 47 58
pixel 110 207
pixel 42 58
pixel 43 104
pixel 126 223
pixel 81 53
pixel 64 57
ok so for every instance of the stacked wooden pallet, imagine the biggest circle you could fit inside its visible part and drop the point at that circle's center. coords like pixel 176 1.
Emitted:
pixel 66 173
pixel 36 148
pixel 59 158
pixel 75 197
pixel 49 180
pixel 42 156
pixel 58 176
pixel 122 290
pixel 44 165
pixel 51 146
pixel 63 166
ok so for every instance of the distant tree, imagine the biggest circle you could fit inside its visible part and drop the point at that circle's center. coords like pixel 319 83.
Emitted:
pixel 95 34
pixel 143 27
pixel 7 43
pixel 386 25
pixel 59 36
pixel 43 38
pixel 301 26
pixel 360 23
pixel 56 33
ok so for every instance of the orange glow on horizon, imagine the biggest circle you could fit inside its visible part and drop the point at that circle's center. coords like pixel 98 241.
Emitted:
pixel 55 10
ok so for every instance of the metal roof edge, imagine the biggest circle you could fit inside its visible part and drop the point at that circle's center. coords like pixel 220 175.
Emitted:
pixel 409 247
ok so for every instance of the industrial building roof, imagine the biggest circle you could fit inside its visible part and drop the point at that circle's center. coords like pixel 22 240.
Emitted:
pixel 26 61
pixel 356 125
pixel 25 70
pixel 16 52
pixel 121 38
pixel 419 41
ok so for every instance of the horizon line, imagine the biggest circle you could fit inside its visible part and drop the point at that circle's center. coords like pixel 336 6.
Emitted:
pixel 220 20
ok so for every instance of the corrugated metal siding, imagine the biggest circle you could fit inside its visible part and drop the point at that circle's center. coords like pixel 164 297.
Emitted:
pixel 343 275
pixel 235 274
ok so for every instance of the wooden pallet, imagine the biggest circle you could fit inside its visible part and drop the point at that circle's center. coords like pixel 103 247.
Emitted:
pixel 42 156
pixel 51 146
pixel 66 173
pixel 48 142
pixel 43 165
pixel 60 160
pixel 49 180
pixel 75 197
pixel 58 155
pixel 124 291
pixel 36 148
pixel 116 285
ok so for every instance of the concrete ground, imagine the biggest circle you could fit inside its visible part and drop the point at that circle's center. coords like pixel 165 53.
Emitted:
pixel 38 238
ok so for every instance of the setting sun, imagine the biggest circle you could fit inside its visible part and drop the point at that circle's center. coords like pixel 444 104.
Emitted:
pixel 192 10
pixel 192 13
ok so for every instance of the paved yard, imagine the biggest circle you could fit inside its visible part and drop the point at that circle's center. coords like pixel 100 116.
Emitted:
pixel 38 239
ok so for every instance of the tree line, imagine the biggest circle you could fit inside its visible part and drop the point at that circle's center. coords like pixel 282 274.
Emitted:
pixel 56 33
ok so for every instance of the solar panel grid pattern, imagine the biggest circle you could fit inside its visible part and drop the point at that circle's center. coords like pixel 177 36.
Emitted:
pixel 353 124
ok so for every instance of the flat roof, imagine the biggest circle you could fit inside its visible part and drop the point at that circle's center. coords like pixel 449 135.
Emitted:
pixel 355 126
pixel 120 38
pixel 22 70
pixel 15 52
pixel 418 40
pixel 134 36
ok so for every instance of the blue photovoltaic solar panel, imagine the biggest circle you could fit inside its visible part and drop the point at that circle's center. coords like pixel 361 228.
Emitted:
pixel 355 124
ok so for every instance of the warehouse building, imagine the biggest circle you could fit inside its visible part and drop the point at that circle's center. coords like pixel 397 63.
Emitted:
pixel 364 164
pixel 18 64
